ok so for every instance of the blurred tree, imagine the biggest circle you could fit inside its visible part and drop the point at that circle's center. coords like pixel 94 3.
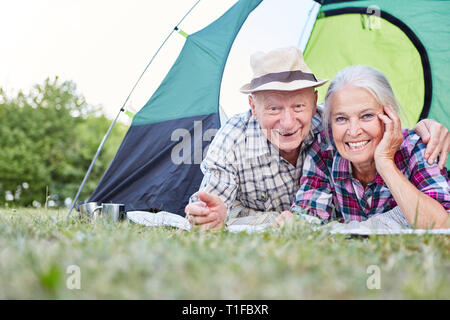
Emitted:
pixel 90 133
pixel 47 141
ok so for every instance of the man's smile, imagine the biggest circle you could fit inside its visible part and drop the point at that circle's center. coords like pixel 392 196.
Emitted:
pixel 287 134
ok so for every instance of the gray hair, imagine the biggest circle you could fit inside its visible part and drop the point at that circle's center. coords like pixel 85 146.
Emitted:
pixel 364 77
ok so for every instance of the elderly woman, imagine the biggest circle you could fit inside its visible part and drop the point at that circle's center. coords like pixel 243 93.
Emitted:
pixel 364 164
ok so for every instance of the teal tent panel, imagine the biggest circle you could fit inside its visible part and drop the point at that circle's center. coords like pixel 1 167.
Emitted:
pixel 192 86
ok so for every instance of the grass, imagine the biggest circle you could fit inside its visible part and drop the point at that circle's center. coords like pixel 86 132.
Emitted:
pixel 125 261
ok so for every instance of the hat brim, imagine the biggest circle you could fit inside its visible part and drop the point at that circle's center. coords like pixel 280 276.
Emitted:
pixel 284 86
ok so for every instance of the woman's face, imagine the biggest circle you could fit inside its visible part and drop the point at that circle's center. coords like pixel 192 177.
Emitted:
pixel 356 127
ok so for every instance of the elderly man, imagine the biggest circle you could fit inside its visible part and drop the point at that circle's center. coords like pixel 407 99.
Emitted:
pixel 255 160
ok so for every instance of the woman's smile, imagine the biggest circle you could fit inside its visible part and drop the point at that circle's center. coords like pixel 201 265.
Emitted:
pixel 357 145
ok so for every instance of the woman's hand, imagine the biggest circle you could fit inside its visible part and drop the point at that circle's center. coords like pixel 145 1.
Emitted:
pixel 392 138
pixel 285 216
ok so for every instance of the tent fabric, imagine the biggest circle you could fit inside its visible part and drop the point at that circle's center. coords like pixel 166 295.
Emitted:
pixel 385 48
pixel 144 175
pixel 196 75
pixel 150 171
pixel 426 20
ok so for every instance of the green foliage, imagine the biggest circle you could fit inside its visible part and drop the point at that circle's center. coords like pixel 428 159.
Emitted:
pixel 48 138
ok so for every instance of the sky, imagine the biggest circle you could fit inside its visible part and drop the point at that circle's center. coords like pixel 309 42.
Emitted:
pixel 104 46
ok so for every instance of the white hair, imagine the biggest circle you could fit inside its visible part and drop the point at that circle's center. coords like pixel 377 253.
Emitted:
pixel 374 81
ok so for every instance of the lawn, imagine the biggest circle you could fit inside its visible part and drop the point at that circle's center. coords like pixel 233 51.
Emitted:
pixel 39 251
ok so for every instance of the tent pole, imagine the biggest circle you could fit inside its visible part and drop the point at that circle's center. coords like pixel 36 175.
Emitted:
pixel 304 37
pixel 100 147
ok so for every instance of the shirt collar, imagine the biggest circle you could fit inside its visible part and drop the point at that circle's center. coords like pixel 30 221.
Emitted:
pixel 342 170
pixel 256 143
pixel 325 140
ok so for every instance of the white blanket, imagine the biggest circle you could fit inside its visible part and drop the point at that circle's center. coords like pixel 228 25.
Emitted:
pixel 381 224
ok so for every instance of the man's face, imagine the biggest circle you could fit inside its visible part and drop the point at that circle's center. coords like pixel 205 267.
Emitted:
pixel 284 116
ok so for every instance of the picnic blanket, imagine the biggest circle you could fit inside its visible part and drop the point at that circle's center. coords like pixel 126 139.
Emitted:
pixel 242 219
pixel 391 222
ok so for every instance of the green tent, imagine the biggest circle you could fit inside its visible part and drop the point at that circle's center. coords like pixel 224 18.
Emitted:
pixel 408 40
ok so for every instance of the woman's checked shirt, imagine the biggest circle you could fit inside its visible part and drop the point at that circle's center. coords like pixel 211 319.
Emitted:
pixel 328 189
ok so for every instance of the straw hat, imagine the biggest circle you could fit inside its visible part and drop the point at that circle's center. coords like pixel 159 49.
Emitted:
pixel 281 69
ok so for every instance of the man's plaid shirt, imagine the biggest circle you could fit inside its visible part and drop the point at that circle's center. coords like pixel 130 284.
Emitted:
pixel 243 167
pixel 329 190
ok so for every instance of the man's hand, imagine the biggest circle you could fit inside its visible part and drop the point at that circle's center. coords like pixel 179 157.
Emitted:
pixel 284 217
pixel 437 138
pixel 208 214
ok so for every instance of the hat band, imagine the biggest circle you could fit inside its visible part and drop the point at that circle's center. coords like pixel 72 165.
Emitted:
pixel 285 76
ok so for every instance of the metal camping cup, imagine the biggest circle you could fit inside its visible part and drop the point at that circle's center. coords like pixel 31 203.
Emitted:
pixel 90 210
pixel 113 211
